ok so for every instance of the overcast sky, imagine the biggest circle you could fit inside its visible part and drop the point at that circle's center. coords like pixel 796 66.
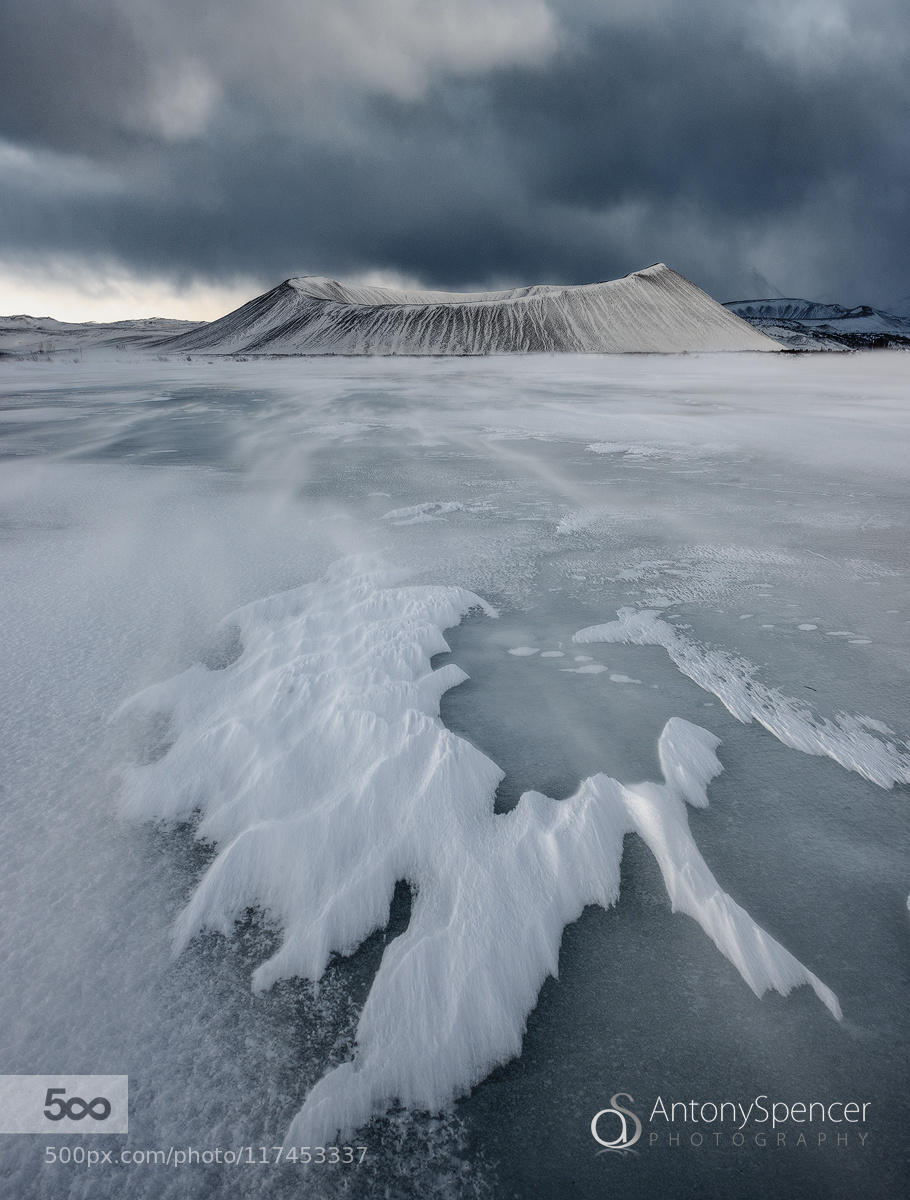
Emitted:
pixel 177 156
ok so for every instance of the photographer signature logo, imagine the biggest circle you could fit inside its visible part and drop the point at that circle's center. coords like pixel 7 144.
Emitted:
pixel 604 1123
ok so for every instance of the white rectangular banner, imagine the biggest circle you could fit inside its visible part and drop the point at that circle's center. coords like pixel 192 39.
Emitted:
pixel 64 1104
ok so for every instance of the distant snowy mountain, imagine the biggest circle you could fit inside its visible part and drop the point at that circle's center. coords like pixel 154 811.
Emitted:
pixel 785 309
pixel 24 335
pixel 651 311
pixel 808 325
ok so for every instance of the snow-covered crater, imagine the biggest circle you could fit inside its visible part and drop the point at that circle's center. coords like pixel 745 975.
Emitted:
pixel 651 311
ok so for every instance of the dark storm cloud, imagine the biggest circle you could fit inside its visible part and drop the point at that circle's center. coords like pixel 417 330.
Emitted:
pixel 519 143
pixel 65 69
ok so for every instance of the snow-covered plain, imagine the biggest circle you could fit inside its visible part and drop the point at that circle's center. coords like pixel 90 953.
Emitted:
pixel 281 638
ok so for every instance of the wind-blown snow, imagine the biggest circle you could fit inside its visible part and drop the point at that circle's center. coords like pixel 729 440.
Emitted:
pixel 732 679
pixel 432 510
pixel 318 765
pixel 654 310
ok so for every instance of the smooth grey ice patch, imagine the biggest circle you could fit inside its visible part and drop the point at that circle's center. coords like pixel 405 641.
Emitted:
pixel 318 765
pixel 845 738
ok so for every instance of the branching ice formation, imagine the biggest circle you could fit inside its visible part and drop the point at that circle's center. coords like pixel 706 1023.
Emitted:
pixel 318 764
pixel 847 739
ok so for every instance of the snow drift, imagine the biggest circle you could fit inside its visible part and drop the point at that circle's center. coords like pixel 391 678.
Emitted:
pixel 849 740
pixel 318 765
pixel 655 311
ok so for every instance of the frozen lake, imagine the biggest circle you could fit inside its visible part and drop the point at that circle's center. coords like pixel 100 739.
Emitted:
pixel 757 505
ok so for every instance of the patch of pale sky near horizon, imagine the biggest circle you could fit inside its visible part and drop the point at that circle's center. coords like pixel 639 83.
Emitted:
pixel 70 290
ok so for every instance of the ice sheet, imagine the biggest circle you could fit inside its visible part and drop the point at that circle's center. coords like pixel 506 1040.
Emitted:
pixel 317 764
pixel 140 501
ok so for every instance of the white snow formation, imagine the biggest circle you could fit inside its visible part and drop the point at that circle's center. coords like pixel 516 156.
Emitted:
pixel 653 311
pixel 845 738
pixel 318 765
